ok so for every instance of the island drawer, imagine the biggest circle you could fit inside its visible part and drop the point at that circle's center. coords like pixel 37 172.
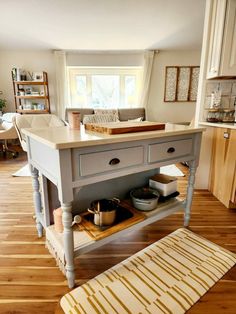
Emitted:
pixel 98 162
pixel 168 150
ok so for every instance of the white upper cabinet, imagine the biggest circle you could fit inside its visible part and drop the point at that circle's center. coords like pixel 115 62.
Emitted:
pixel 222 48
pixel 228 56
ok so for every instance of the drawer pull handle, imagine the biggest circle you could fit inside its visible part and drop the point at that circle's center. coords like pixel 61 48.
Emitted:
pixel 114 161
pixel 171 150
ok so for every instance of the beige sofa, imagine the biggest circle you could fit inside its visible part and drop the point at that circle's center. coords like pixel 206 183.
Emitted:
pixel 124 114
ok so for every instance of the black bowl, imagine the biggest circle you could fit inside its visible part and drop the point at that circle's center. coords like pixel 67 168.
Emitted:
pixel 145 193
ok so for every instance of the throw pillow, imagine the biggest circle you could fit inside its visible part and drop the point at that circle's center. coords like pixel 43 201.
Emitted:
pixel 107 111
pixel 99 118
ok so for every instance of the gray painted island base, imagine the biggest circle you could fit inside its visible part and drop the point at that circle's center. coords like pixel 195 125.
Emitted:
pixel 73 160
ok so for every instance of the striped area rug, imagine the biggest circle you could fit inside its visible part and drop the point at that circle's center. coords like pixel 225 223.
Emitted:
pixel 167 277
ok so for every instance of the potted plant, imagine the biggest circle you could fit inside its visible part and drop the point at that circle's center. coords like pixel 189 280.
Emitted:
pixel 3 103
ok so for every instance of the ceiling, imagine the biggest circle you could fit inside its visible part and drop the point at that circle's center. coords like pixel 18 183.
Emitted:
pixel 101 25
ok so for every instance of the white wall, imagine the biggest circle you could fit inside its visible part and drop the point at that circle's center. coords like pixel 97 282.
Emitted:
pixel 44 61
pixel 37 61
pixel 34 61
pixel 158 110
pixel 104 59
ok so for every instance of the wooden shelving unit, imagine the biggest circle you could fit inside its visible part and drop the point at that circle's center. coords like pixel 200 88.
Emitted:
pixel 32 111
pixel 31 97
pixel 27 103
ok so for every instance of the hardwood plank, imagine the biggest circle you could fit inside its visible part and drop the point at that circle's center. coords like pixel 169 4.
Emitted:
pixel 212 301
pixel 30 249
pixel 31 292
pixel 26 260
pixel 27 307
pixel 34 275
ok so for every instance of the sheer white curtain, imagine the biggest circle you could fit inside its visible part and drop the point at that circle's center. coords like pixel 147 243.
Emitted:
pixel 61 83
pixel 147 71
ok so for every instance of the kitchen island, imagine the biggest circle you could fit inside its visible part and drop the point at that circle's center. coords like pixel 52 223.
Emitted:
pixel 74 159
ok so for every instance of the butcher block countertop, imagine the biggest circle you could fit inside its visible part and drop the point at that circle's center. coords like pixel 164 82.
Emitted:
pixel 224 125
pixel 64 137
pixel 124 127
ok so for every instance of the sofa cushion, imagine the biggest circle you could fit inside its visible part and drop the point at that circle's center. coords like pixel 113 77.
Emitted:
pixel 131 113
pixel 136 120
pixel 124 114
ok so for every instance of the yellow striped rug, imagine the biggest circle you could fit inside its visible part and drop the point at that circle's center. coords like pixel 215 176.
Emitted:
pixel 167 277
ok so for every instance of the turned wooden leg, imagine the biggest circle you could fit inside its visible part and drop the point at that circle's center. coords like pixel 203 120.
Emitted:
pixel 190 189
pixel 37 199
pixel 68 242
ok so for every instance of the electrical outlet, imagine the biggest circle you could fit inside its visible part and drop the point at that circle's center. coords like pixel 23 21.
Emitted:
pixel 226 135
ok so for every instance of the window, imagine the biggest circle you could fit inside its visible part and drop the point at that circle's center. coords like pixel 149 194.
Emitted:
pixel 104 87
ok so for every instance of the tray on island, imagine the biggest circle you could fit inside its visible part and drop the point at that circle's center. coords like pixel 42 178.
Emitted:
pixel 126 216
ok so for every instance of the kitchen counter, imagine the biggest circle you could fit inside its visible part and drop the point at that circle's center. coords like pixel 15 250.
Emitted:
pixel 219 125
pixel 64 137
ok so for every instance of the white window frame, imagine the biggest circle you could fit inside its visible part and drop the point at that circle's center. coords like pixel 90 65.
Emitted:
pixel 73 71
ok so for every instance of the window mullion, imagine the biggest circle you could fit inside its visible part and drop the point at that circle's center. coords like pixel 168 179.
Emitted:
pixel 122 90
pixel 89 90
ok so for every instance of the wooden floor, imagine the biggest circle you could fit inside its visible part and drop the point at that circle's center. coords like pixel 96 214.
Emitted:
pixel 30 282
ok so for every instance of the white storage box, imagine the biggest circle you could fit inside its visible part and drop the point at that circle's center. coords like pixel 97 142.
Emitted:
pixel 165 184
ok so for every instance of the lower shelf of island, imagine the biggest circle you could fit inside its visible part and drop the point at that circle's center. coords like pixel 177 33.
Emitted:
pixel 83 242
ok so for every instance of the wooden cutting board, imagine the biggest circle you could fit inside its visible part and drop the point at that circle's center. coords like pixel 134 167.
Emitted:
pixel 124 127
pixel 129 215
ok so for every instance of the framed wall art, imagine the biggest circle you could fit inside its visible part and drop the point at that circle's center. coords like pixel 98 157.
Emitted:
pixel 181 83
